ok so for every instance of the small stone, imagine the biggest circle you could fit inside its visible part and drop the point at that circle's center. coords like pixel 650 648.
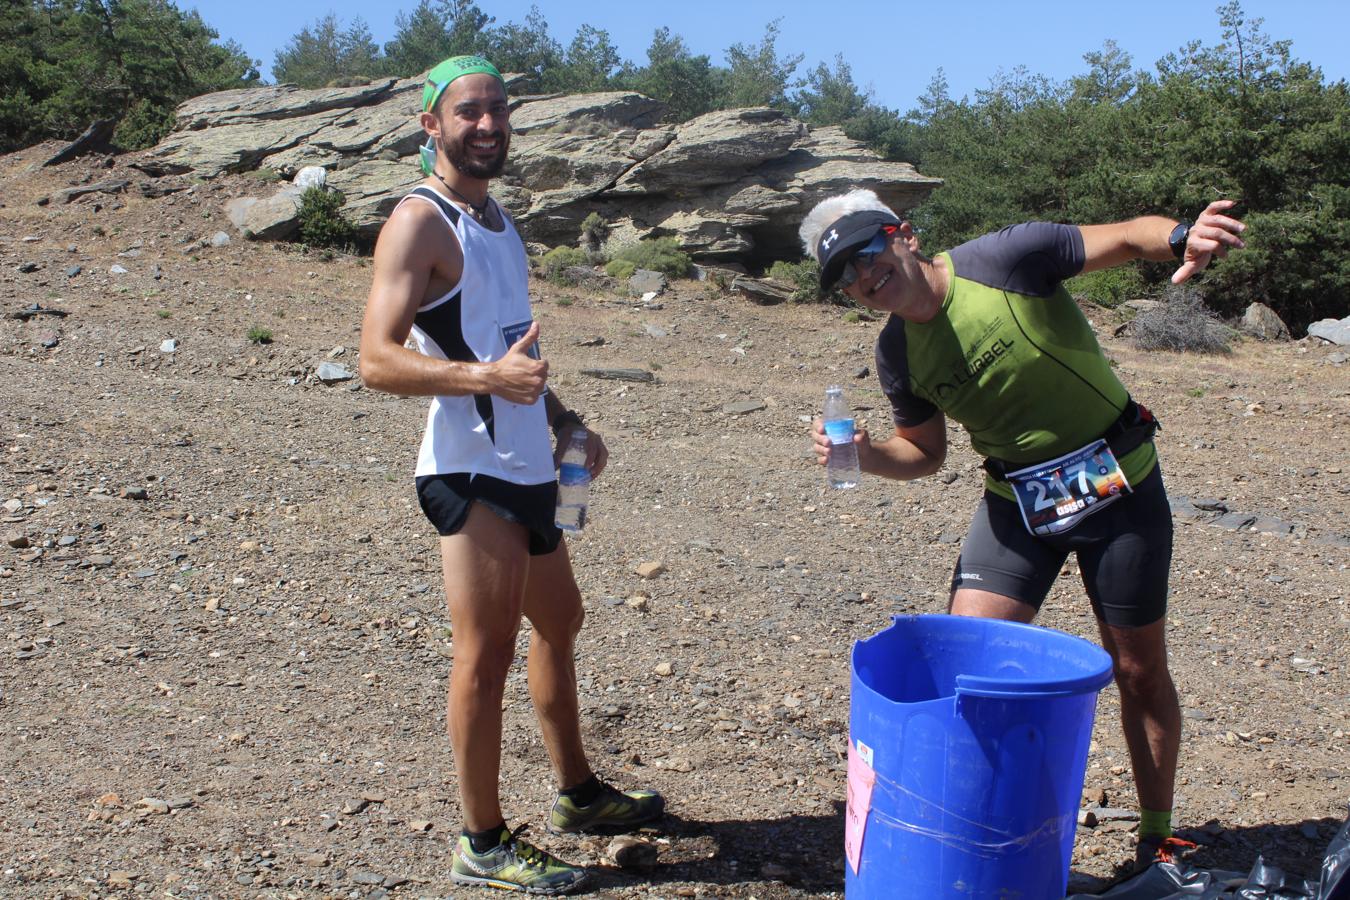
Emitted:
pixel 664 669
pixel 655 331
pixel 13 505
pixel 134 493
pixel 861 372
pixel 352 807
pixel 243 878
pixel 73 271
pixel 1087 818
pixel 313 860
pixel 250 546
pixel 220 239
pixel 638 603
pixel 631 853
pixel 152 806
pixel 650 569
pixel 169 345
pixel 17 541
pixel 237 737
pixel 596 341
pixel 332 373
pixel 121 878
pixel 743 407
pixel 212 604
pixel 109 801
pixel 419 825
pixel 117 270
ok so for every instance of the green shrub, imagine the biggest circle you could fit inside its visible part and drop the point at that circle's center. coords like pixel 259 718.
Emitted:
pixel 554 264
pixel 804 278
pixel 594 230
pixel 259 335
pixel 144 125
pixel 1109 287
pixel 321 221
pixel 622 269
pixel 660 255
pixel 1180 323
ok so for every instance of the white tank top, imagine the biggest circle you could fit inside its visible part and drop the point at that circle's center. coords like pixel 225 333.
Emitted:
pixel 477 321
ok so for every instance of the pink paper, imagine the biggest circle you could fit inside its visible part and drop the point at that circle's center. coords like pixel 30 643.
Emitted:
pixel 861 779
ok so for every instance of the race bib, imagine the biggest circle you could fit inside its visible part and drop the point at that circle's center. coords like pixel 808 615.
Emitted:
pixel 1055 496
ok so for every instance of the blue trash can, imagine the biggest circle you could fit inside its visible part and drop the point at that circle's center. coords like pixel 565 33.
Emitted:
pixel 974 735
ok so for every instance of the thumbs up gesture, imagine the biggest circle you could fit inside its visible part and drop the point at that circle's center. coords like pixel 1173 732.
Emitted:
pixel 519 377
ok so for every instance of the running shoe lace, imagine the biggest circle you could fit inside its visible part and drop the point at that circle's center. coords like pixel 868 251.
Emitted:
pixel 526 852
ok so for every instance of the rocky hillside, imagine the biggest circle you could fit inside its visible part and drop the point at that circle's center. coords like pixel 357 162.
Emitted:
pixel 730 185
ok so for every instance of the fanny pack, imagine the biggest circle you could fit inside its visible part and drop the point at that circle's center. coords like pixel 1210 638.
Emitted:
pixel 1134 428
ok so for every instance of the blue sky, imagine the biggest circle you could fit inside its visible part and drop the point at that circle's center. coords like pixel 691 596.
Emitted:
pixel 893 47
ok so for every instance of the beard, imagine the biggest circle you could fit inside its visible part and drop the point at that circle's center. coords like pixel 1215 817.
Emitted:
pixel 476 167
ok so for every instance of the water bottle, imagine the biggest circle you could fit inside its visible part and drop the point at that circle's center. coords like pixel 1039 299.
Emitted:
pixel 574 483
pixel 843 468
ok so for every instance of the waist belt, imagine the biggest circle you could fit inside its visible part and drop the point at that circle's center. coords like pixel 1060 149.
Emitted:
pixel 1134 428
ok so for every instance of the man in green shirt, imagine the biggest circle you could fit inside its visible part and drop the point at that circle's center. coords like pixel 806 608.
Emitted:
pixel 986 334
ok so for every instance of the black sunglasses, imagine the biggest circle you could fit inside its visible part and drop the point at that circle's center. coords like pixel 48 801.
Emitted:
pixel 865 256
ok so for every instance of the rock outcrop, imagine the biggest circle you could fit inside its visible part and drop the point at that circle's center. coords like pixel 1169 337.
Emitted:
pixel 731 185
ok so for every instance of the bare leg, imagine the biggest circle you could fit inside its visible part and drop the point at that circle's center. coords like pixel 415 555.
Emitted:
pixel 553 606
pixel 988 605
pixel 1149 711
pixel 485 566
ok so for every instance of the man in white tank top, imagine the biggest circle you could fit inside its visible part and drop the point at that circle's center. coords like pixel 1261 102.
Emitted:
pixel 451 272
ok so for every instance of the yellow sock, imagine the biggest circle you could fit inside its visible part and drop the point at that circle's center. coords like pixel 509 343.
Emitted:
pixel 1155 823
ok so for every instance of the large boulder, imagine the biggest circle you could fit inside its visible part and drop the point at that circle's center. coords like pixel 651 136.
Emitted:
pixel 605 111
pixel 731 186
pixel 1334 331
pixel 1264 323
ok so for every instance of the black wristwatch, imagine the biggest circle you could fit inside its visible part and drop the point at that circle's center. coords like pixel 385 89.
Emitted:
pixel 1177 239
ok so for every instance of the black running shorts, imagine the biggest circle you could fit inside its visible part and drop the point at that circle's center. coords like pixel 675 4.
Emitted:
pixel 1124 553
pixel 446 500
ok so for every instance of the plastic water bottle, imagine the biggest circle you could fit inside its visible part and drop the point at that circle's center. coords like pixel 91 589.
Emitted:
pixel 843 468
pixel 574 484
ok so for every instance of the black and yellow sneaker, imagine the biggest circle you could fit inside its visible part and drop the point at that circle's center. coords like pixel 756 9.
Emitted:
pixel 515 865
pixel 610 808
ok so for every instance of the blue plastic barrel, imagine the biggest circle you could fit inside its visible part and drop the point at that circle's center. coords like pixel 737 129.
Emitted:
pixel 976 732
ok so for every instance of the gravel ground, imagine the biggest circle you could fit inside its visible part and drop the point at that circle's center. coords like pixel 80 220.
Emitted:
pixel 225 644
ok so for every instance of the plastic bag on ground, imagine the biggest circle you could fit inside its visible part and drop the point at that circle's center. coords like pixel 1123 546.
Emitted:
pixel 1180 881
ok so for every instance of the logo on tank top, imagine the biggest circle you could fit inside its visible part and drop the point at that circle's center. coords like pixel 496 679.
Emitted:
pixel 971 368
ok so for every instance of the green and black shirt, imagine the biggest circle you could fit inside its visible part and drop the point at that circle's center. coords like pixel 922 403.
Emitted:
pixel 1010 355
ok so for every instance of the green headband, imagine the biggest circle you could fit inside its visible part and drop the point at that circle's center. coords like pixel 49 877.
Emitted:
pixel 439 78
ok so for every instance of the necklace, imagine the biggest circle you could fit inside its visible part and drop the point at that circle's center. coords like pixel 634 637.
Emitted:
pixel 478 209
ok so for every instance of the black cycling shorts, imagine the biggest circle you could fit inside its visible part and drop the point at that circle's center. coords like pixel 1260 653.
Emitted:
pixel 1124 552
pixel 446 499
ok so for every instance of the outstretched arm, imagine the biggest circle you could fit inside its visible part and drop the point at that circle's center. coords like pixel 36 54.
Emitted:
pixel 1213 234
